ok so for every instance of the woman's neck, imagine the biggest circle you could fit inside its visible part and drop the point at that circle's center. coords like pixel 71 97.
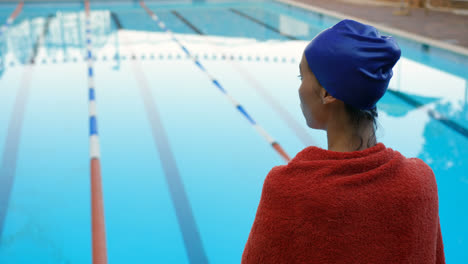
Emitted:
pixel 343 136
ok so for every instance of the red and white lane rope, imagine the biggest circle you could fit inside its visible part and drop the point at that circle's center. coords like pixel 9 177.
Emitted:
pixel 98 228
pixel 12 18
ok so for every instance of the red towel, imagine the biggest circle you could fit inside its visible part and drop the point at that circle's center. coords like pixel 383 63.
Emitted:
pixel 370 206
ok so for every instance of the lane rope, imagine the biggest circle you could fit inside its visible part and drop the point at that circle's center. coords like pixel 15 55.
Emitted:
pixel 98 229
pixel 300 132
pixel 215 82
pixel 12 18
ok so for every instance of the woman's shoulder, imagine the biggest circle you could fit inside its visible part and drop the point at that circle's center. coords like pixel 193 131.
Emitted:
pixel 415 174
pixel 414 164
pixel 419 169
pixel 313 162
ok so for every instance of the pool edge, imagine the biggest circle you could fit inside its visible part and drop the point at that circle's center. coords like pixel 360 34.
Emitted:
pixel 402 33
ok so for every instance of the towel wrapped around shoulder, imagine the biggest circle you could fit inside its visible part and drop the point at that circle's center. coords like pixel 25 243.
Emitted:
pixel 370 206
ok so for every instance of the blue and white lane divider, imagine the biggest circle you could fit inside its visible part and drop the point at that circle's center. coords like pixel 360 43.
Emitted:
pixel 12 18
pixel 98 229
pixel 215 82
pixel 94 139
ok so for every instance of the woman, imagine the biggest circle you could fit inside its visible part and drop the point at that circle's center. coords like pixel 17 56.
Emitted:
pixel 358 201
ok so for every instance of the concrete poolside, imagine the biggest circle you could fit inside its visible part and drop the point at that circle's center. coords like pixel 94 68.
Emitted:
pixel 441 26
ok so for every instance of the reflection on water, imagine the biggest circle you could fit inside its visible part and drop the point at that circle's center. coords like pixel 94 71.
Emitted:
pixel 66 31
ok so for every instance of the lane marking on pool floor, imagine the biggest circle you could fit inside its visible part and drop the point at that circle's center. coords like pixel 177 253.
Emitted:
pixel 15 126
pixel 259 22
pixel 11 18
pixel 38 43
pixel 98 227
pixel 432 113
pixel 186 220
pixel 300 132
pixel 276 146
pixel 186 22
pixel 453 125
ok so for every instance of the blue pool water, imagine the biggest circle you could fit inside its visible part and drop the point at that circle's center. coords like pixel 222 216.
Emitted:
pixel 160 118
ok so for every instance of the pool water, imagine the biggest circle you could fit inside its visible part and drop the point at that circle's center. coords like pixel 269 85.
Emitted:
pixel 182 168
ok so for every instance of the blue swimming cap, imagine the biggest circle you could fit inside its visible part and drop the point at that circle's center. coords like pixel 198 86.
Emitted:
pixel 353 62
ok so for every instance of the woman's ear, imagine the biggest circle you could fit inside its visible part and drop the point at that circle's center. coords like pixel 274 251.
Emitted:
pixel 326 97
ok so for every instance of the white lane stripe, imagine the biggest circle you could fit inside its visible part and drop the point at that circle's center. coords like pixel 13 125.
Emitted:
pixel 90 82
pixel 264 134
pixel 210 76
pixel 92 108
pixel 195 60
pixel 94 151
pixel 232 100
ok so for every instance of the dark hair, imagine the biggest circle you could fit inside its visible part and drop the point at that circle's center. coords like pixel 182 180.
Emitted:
pixel 357 116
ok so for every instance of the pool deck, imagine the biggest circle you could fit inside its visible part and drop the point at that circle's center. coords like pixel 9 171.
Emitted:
pixel 441 26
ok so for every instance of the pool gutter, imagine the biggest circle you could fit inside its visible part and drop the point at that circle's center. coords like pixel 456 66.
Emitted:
pixel 390 30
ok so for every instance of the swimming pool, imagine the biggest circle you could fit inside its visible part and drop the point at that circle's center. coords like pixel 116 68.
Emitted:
pixel 182 165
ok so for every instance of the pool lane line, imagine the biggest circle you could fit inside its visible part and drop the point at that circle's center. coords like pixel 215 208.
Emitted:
pixel 116 20
pixel 15 126
pixel 432 113
pixel 253 19
pixel 98 228
pixel 183 210
pixel 37 44
pixel 300 132
pixel 12 18
pixel 186 22
pixel 12 140
pixel 276 146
